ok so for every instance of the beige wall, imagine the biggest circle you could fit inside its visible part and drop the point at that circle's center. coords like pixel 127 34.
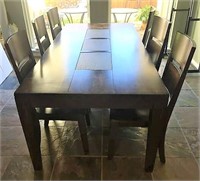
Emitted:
pixel 99 11
pixel 14 19
pixel 194 31
pixel 3 21
pixel 15 13
pixel 179 24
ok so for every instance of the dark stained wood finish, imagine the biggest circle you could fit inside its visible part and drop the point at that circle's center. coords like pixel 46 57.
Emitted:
pixel 23 61
pixel 157 39
pixel 133 81
pixel 148 26
pixel 54 22
pixel 41 34
pixel 173 78
pixel 174 75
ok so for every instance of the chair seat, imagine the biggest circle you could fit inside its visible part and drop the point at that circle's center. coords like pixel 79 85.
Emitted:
pixel 60 114
pixel 130 117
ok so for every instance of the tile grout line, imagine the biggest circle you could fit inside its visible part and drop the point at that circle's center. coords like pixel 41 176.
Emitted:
pixel 4 105
pixel 101 146
pixel 57 153
pixel 186 139
pixel 190 88
pixel 189 144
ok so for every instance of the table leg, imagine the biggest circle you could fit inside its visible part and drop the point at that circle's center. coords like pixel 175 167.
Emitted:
pixel 115 17
pixel 83 132
pixel 69 20
pixel 82 17
pixel 155 129
pixel 166 117
pixel 127 20
pixel 31 129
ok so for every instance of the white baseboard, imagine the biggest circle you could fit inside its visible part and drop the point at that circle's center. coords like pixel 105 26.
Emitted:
pixel 195 64
pixel 36 52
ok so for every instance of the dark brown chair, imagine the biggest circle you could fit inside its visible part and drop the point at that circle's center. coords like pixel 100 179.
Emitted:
pixel 41 34
pixel 54 22
pixel 173 78
pixel 22 60
pixel 148 27
pixel 157 39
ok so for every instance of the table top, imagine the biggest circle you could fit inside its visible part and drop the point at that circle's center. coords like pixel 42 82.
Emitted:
pixel 96 66
pixel 123 10
pixel 74 10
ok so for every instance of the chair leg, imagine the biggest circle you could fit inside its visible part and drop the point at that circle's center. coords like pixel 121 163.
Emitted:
pixel 83 132
pixel 161 147
pixel 87 117
pixel 38 129
pixel 162 152
pixel 111 144
pixel 46 123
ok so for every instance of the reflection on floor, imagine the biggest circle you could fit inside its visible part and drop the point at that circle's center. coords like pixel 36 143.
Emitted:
pixel 63 157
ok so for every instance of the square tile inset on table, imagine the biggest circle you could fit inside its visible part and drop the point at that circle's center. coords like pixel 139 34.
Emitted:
pixel 96 45
pixel 95 61
pixel 97 33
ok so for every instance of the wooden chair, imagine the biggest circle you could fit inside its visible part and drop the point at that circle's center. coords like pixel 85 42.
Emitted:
pixel 22 60
pixel 41 34
pixel 54 22
pixel 157 39
pixel 173 78
pixel 148 27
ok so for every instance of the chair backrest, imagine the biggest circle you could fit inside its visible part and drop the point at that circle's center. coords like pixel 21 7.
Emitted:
pixel 20 54
pixel 177 66
pixel 158 39
pixel 148 27
pixel 54 22
pixel 41 34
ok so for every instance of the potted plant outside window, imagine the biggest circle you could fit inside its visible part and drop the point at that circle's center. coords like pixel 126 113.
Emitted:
pixel 143 15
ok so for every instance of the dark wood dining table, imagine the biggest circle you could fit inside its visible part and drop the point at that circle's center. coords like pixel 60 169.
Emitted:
pixel 93 66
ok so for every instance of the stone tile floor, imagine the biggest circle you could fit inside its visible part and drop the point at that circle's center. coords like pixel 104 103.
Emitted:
pixel 63 157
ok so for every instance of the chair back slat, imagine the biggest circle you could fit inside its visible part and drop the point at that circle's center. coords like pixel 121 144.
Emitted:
pixel 41 34
pixel 159 28
pixel 177 65
pixel 181 50
pixel 158 39
pixel 54 21
pixel 148 27
pixel 20 54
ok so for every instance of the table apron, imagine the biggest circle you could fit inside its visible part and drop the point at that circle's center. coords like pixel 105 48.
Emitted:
pixel 94 101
